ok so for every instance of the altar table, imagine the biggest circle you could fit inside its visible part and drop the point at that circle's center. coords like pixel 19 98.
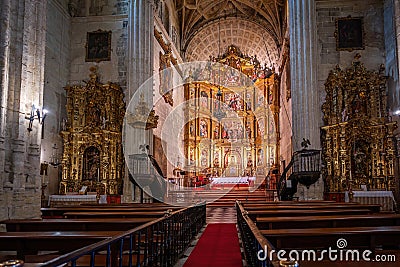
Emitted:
pixel 384 198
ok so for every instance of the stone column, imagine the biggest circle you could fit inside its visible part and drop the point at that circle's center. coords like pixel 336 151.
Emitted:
pixel 22 51
pixel 140 69
pixel 306 106
pixel 141 49
pixel 141 45
pixel 396 8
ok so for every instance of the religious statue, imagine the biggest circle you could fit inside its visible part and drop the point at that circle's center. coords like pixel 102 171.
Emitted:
pixel 249 168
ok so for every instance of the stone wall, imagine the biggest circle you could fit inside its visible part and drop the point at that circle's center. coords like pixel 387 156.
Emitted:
pixel 83 8
pixel 22 52
pixel 113 70
pixel 56 69
pixel 374 53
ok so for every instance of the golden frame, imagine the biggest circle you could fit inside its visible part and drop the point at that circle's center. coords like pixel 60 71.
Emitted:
pixel 98 46
pixel 349 34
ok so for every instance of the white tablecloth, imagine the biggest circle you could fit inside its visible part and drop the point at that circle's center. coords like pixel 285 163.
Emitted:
pixel 232 180
pixel 383 198
pixel 71 199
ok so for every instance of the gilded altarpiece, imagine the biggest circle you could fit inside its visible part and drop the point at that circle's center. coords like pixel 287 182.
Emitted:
pixel 357 139
pixel 92 138
pixel 231 117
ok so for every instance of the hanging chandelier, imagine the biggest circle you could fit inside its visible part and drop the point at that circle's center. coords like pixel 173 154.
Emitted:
pixel 219 113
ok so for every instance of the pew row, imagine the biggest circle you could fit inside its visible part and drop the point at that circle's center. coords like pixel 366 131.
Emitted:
pixel 59 211
pixel 372 207
pixel 116 214
pixel 30 243
pixel 89 224
pixel 321 238
pixel 332 221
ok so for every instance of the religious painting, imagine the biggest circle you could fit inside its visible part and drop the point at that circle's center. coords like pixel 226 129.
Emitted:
pixel 166 77
pixel 232 77
pixel 260 99
pixel 349 33
pixel 216 132
pixel 227 130
pixel 203 128
pixel 98 46
pixel 203 99
pixel 234 101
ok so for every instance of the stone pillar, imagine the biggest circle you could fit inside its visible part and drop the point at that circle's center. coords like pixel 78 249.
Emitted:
pixel 141 46
pixel 140 69
pixel 306 106
pixel 141 49
pixel 396 8
pixel 22 50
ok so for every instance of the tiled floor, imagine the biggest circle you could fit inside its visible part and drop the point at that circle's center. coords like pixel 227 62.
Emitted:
pixel 221 215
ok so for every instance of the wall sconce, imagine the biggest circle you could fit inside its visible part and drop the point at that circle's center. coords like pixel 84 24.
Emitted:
pixel 40 115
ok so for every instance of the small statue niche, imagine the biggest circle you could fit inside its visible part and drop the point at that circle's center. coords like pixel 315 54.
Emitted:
pixel 91 159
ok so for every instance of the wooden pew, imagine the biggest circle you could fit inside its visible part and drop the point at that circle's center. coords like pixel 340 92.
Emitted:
pixel 371 207
pixel 322 238
pixel 29 243
pixel 119 214
pixel 298 203
pixel 255 214
pixel 59 211
pixel 269 223
pixel 89 224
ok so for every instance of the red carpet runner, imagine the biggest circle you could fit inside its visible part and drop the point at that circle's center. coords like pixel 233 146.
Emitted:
pixel 218 247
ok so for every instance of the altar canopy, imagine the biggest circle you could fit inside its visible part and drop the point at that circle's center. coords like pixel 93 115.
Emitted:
pixel 231 128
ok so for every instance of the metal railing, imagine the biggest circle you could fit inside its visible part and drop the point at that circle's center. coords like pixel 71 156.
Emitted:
pixel 158 243
pixel 281 185
pixel 256 247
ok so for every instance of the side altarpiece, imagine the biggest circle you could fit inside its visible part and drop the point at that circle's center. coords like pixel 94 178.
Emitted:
pixel 92 138
pixel 357 139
